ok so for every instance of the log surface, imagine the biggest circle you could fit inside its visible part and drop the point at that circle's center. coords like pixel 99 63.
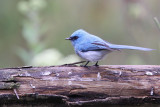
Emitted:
pixel 80 86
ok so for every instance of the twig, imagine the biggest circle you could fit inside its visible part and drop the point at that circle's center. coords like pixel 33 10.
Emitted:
pixel 157 22
pixel 74 63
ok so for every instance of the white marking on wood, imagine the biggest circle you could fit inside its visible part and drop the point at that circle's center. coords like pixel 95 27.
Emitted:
pixel 149 73
pixel 15 91
pixel 99 76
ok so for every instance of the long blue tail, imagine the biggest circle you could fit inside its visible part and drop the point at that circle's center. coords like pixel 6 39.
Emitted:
pixel 113 46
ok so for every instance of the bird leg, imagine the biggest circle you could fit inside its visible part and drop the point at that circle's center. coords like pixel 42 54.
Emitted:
pixel 85 64
pixel 96 64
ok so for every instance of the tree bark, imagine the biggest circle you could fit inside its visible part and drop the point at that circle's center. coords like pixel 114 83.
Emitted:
pixel 70 85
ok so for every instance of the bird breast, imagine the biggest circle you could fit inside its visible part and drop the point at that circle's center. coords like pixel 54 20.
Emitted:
pixel 93 56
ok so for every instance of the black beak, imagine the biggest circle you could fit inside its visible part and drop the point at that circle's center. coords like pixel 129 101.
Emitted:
pixel 68 38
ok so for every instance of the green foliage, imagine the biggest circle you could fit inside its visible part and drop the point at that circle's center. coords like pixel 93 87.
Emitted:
pixel 37 53
pixel 31 29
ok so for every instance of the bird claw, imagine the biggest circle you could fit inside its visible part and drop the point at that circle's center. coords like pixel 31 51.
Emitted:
pixel 96 65
pixel 83 65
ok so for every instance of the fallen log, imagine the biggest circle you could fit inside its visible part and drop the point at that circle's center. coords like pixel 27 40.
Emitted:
pixel 71 85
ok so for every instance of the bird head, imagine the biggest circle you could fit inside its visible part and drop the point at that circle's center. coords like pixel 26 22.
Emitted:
pixel 77 36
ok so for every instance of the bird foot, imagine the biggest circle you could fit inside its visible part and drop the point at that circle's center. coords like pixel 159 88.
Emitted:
pixel 96 65
pixel 83 65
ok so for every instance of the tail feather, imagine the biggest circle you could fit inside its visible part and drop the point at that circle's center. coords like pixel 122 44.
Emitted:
pixel 113 46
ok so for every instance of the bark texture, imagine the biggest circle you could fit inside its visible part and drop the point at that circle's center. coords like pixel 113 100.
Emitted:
pixel 71 85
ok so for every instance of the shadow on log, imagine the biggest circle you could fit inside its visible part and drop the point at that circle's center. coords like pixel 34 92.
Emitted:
pixel 70 85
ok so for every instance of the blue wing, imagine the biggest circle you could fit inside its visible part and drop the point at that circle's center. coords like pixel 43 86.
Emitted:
pixel 93 44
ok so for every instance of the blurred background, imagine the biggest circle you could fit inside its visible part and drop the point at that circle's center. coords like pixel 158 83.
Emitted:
pixel 33 32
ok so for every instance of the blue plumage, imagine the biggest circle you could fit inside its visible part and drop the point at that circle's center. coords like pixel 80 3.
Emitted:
pixel 93 48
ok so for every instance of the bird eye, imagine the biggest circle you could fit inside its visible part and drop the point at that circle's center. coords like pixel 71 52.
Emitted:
pixel 75 38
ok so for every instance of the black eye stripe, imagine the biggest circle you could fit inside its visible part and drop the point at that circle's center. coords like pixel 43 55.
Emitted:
pixel 74 38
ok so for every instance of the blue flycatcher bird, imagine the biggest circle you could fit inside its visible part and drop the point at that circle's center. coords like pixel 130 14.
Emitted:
pixel 93 48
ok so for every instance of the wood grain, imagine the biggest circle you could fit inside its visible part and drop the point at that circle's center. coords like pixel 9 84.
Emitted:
pixel 72 85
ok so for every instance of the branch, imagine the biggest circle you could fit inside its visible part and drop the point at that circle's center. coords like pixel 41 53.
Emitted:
pixel 72 85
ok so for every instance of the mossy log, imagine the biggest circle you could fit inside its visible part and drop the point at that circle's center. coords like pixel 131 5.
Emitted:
pixel 71 85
